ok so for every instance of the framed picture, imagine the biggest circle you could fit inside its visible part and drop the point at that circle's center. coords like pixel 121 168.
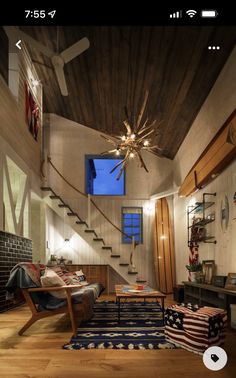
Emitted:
pixel 231 282
pixel 208 269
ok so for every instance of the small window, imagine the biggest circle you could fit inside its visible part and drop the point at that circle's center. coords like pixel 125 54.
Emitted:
pixel 99 180
pixel 132 224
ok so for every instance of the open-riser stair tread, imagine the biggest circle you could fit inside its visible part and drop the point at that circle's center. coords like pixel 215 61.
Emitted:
pixel 80 230
pixel 115 256
pixel 89 231
pixel 141 281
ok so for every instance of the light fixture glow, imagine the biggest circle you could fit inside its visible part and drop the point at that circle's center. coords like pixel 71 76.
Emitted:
pixel 134 141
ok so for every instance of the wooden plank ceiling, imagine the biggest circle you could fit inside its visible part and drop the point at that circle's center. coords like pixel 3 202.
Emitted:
pixel 172 63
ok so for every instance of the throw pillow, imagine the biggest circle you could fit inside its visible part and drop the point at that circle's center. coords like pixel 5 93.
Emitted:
pixel 50 278
pixel 81 276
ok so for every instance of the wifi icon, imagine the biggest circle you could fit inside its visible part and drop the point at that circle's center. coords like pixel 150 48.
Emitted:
pixel 191 13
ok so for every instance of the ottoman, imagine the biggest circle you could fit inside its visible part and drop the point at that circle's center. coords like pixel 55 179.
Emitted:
pixel 195 329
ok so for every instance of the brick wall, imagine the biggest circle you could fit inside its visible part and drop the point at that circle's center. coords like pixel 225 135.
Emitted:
pixel 13 249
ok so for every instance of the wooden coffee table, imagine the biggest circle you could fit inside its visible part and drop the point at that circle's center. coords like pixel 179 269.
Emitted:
pixel 129 291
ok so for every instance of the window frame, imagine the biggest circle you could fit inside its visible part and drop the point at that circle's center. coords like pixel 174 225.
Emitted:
pixel 141 224
pixel 111 157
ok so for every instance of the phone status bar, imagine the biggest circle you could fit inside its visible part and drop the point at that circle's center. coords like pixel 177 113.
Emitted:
pixel 116 15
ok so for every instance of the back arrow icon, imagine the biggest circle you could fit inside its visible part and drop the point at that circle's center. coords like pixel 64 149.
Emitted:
pixel 18 44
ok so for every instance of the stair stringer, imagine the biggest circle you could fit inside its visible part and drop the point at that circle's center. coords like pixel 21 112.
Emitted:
pixel 96 246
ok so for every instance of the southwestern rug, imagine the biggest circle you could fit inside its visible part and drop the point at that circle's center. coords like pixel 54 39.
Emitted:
pixel 140 327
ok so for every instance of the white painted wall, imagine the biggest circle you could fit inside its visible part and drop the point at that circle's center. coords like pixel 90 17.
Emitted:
pixel 68 143
pixel 216 109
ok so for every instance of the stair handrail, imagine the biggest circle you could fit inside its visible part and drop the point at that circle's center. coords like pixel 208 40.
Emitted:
pixel 86 196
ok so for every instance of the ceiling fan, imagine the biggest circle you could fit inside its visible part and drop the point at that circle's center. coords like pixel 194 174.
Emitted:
pixel 58 59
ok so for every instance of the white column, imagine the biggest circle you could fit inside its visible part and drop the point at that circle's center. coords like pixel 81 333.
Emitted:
pixel 89 211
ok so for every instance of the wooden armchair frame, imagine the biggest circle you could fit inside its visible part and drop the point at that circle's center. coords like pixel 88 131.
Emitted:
pixel 70 308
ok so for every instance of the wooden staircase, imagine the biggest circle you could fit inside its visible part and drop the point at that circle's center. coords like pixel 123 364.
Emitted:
pixel 80 226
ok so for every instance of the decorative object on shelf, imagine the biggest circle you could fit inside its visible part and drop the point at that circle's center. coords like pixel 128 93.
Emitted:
pixel 224 212
pixel 231 282
pixel 136 139
pixel 193 259
pixel 197 225
pixel 194 270
pixel 208 269
pixel 219 281
pixel 53 260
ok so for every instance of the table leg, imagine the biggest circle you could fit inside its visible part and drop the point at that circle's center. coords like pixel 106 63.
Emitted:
pixel 163 309
pixel 118 310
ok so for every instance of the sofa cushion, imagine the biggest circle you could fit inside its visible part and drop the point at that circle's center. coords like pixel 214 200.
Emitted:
pixel 51 278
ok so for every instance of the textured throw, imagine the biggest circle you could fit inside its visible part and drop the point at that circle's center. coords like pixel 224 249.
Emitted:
pixel 141 327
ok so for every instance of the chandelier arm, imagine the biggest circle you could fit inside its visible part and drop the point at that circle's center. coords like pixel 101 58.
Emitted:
pixel 127 125
pixel 142 110
pixel 145 136
pixel 142 161
pixel 109 140
pixel 121 170
pixel 108 152
pixel 117 165
pixel 142 127
pixel 145 129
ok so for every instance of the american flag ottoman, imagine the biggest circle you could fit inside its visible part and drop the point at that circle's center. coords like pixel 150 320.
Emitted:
pixel 195 329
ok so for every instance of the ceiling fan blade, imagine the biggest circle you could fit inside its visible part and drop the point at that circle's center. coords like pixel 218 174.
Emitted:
pixel 61 79
pixel 75 50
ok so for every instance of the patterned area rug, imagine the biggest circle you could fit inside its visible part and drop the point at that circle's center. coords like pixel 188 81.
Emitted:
pixel 140 327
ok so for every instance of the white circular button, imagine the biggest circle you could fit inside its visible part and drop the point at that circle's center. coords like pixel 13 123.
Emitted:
pixel 215 358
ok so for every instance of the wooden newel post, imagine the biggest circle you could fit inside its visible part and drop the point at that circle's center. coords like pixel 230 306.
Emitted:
pixel 132 267
pixel 89 211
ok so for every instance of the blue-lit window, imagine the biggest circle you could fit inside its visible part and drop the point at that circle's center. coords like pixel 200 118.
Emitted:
pixel 99 180
pixel 132 224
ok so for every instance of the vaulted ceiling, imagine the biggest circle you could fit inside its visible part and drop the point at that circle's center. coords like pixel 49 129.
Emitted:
pixel 173 63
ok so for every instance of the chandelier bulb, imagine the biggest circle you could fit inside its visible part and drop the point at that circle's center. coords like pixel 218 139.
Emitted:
pixel 133 136
pixel 117 152
pixel 146 143
pixel 131 154
pixel 123 137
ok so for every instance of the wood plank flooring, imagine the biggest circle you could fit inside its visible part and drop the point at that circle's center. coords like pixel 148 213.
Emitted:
pixel 39 354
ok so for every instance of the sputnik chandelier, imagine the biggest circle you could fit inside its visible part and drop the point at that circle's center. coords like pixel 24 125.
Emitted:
pixel 133 142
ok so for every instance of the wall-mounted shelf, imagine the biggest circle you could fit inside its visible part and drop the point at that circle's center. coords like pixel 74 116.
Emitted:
pixel 197 231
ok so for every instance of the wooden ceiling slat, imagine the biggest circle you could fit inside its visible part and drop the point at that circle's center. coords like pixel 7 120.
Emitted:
pixel 125 61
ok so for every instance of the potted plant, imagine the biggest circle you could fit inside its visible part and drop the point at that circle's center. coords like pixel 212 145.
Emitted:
pixel 194 269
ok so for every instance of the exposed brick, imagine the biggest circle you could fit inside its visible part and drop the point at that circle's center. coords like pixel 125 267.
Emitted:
pixel 13 249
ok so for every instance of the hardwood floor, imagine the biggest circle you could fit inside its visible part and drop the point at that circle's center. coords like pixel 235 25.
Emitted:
pixel 39 354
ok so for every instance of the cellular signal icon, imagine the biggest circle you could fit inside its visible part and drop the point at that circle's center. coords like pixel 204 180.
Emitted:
pixel 176 14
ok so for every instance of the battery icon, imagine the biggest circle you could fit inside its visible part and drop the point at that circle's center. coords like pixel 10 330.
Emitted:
pixel 209 13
